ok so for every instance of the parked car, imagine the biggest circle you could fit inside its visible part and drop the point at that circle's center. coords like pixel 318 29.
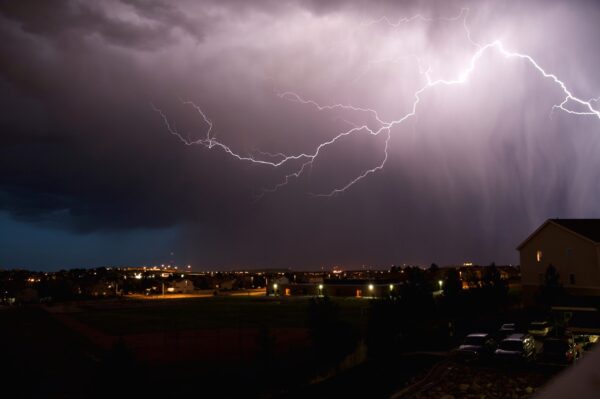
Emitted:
pixel 516 347
pixel 539 328
pixel 585 341
pixel 559 350
pixel 477 345
pixel 506 329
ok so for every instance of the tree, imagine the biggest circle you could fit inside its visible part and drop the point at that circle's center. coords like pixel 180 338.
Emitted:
pixel 552 289
pixel 452 284
pixel 494 289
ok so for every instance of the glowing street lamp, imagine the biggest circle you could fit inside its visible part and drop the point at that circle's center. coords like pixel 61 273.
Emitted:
pixel 441 283
pixel 275 289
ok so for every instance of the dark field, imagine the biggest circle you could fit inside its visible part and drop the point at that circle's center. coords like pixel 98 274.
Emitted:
pixel 218 347
pixel 163 347
pixel 143 316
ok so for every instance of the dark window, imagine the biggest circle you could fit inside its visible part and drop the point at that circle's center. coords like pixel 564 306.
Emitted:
pixel 572 279
pixel 475 341
pixel 511 345
pixel 569 252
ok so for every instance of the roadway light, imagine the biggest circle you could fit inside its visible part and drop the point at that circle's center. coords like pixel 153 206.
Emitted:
pixel 275 286
pixel 441 283
pixel 320 286
pixel 391 287
pixel 371 287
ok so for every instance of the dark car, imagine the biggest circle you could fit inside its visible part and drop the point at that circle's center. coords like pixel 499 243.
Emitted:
pixel 559 350
pixel 477 345
pixel 506 329
pixel 516 347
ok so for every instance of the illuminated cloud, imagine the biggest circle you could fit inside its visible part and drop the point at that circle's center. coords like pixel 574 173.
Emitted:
pixel 481 162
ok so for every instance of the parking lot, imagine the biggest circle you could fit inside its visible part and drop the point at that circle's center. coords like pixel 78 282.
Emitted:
pixel 513 361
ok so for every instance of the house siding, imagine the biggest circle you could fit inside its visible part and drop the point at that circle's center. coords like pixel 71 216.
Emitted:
pixel 568 252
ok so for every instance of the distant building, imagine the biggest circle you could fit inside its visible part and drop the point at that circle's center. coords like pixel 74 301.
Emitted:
pixel 357 288
pixel 572 246
pixel 182 287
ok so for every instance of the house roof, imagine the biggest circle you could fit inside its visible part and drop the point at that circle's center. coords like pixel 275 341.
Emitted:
pixel 586 228
pixel 589 228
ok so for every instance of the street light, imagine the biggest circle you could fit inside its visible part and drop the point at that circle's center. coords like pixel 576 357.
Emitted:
pixel 275 289
pixel 320 289
pixel 391 287
pixel 441 283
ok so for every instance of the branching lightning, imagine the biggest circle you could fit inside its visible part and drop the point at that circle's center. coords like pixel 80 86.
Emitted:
pixel 299 163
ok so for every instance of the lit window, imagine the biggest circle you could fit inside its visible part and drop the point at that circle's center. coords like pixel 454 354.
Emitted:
pixel 538 256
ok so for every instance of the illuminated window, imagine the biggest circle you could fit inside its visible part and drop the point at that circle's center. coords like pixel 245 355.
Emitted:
pixel 538 255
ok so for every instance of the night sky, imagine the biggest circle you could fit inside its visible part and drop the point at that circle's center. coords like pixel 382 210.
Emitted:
pixel 91 175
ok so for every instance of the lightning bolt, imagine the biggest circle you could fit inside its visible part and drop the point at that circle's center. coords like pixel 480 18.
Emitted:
pixel 304 161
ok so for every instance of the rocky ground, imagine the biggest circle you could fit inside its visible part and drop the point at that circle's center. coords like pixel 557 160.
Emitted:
pixel 482 382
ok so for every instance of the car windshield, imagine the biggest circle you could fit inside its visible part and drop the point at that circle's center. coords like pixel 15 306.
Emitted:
pixel 508 327
pixel 477 341
pixel 511 345
pixel 556 346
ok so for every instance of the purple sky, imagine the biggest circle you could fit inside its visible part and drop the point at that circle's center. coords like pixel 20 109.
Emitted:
pixel 90 174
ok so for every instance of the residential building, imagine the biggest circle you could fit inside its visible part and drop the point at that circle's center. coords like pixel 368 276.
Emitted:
pixel 572 246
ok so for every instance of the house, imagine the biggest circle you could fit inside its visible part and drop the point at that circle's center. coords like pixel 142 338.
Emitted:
pixel 182 287
pixel 572 246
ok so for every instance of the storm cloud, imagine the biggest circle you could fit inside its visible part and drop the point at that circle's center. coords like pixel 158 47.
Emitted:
pixel 83 153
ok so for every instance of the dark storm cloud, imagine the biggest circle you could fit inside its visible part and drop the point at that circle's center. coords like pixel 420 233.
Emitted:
pixel 64 18
pixel 82 151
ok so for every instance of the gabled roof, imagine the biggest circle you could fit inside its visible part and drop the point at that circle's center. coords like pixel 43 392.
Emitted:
pixel 588 229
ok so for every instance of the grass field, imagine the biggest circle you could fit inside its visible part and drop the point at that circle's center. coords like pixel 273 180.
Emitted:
pixel 196 342
pixel 43 358
pixel 134 316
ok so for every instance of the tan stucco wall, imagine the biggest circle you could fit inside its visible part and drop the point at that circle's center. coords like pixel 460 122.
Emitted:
pixel 554 241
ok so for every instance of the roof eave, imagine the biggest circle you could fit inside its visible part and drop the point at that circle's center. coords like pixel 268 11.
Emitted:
pixel 558 225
